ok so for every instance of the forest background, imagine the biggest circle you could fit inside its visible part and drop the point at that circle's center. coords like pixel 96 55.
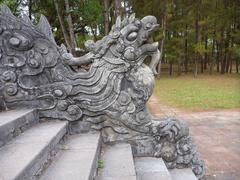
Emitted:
pixel 195 36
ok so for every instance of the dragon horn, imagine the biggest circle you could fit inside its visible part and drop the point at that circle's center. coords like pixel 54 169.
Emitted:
pixel 132 18
pixel 118 22
pixel 26 19
pixel 5 10
pixel 45 28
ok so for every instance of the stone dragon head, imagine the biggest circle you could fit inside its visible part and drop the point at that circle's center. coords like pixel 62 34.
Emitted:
pixel 132 37
pixel 128 40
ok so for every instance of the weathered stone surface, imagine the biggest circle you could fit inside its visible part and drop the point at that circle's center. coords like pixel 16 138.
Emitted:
pixel 182 174
pixel 1 104
pixel 77 160
pixel 110 97
pixel 148 168
pixel 117 163
pixel 14 122
pixel 25 155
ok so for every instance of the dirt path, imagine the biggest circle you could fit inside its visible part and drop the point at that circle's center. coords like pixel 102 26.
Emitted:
pixel 216 134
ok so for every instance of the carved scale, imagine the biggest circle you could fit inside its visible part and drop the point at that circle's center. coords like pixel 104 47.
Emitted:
pixel 110 97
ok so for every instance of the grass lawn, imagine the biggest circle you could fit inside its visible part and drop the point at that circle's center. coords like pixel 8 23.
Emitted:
pixel 206 92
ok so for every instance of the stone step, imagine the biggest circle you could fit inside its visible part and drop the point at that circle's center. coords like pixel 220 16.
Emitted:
pixel 182 174
pixel 14 122
pixel 25 156
pixel 150 168
pixel 117 163
pixel 77 160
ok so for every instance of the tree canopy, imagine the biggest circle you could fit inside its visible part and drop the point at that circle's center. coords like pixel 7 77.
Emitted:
pixel 195 35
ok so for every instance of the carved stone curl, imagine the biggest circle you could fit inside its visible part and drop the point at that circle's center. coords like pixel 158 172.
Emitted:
pixel 110 97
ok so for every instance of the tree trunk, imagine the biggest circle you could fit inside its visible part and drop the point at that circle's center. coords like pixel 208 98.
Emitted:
pixel 162 43
pixel 196 66
pixel 106 17
pixel 71 30
pixel 227 54
pixel 202 64
pixel 223 64
pixel 218 66
pixel 118 11
pixel 112 19
pixel 223 60
pixel 30 9
pixel 211 67
pixel 214 49
pixel 171 69
pixel 211 59
pixel 186 52
pixel 230 71
pixel 227 63
pixel 197 38
pixel 179 68
pixel 206 54
pixel 223 53
pixel 217 58
pixel 237 70
pixel 63 27
pixel 230 56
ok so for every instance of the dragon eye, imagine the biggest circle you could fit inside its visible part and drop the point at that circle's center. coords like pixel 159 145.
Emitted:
pixel 132 36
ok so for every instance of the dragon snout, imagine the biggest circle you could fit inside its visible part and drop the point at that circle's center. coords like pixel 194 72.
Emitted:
pixel 155 27
pixel 149 48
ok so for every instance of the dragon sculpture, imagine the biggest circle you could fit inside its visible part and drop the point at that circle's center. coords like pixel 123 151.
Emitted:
pixel 110 97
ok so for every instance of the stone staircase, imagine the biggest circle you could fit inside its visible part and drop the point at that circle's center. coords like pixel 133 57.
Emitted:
pixel 77 160
pixel 33 149
pixel 14 122
pixel 119 164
